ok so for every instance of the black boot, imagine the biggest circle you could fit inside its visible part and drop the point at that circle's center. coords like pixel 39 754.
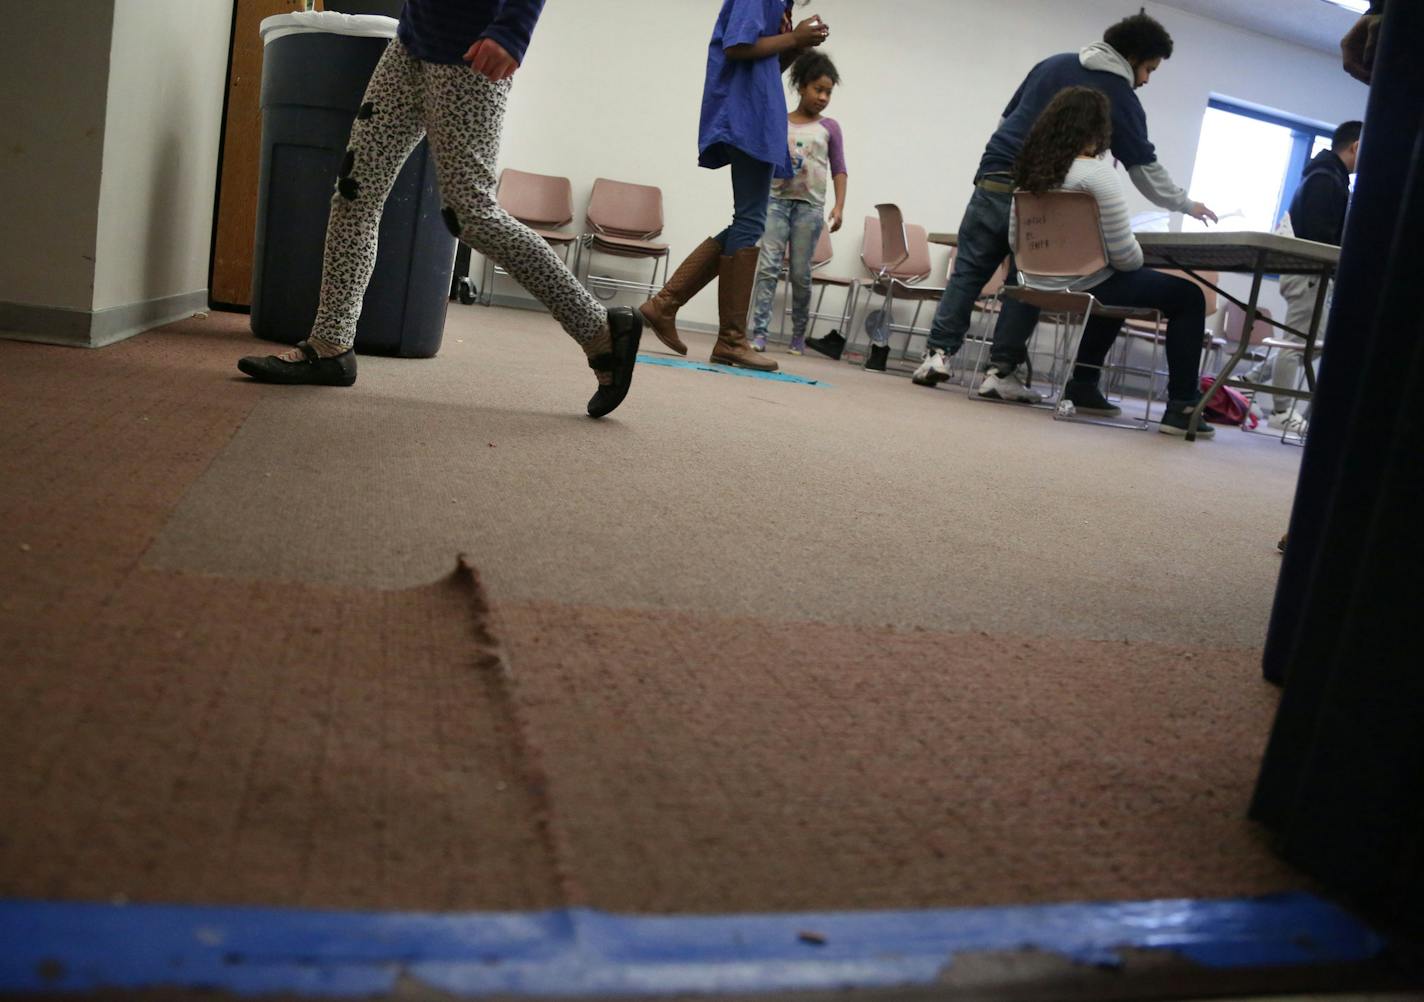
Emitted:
pixel 625 324
pixel 875 361
pixel 831 345
pixel 313 370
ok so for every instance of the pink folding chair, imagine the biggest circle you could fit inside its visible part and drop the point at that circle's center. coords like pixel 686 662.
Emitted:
pixel 622 220
pixel 542 202
pixel 1059 235
pixel 897 255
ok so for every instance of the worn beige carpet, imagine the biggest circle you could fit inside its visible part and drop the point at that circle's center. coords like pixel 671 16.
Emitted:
pixel 747 644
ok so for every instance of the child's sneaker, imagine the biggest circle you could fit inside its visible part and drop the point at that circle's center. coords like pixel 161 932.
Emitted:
pixel 1176 418
pixel 759 343
pixel 934 368
pixel 797 345
pixel 1002 383
pixel 1289 422
pixel 831 345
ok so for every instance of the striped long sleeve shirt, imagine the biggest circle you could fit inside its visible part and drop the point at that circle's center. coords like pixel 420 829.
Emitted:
pixel 1123 251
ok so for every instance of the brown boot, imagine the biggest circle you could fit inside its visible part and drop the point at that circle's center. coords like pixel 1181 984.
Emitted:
pixel 696 271
pixel 734 293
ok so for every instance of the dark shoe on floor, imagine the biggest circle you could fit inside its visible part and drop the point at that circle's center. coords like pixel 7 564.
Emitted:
pixel 1175 419
pixel 875 361
pixel 1282 544
pixel 625 324
pixel 312 370
pixel 831 345
pixel 1087 399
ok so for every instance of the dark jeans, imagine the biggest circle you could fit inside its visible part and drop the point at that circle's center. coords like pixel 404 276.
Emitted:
pixel 983 245
pixel 1179 300
pixel 751 191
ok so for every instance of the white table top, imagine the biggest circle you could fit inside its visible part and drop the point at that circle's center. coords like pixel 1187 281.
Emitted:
pixel 1238 250
pixel 1224 250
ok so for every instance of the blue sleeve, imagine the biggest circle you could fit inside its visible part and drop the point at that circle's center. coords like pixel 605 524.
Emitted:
pixel 1130 145
pixel 514 26
pixel 746 22
pixel 1014 101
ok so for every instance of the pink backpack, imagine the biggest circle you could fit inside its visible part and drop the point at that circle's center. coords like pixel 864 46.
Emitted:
pixel 1228 406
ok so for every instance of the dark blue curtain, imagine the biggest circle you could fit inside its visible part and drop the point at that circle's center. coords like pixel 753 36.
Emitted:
pixel 1342 782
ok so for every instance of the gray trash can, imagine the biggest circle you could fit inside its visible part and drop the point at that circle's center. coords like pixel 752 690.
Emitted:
pixel 314 73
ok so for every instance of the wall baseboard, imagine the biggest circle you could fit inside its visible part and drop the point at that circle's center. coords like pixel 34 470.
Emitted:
pixel 95 328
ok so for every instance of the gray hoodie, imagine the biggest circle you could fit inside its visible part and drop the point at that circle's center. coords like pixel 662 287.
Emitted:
pixel 1151 179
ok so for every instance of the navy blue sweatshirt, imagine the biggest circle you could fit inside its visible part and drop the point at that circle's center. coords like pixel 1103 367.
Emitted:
pixel 1317 210
pixel 442 31
pixel 1130 144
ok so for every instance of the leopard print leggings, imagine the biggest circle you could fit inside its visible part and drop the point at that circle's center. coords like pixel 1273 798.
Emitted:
pixel 463 114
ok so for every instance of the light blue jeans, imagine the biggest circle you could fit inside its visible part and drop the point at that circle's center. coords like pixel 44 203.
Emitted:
pixel 795 225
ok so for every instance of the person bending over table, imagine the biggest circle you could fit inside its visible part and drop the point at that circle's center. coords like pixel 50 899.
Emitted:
pixel 1064 151
pixel 1130 52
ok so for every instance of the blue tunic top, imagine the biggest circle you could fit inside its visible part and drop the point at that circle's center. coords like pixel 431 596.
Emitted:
pixel 742 101
pixel 442 31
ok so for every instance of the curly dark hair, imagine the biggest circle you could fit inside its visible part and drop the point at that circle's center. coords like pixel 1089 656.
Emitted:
pixel 1077 119
pixel 812 65
pixel 1139 38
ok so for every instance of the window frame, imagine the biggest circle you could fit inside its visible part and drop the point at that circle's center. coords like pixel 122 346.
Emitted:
pixel 1304 134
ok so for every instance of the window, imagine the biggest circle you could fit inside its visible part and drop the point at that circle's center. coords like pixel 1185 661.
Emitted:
pixel 1249 163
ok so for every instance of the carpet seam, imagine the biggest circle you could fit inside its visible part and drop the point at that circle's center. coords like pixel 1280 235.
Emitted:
pixel 530 761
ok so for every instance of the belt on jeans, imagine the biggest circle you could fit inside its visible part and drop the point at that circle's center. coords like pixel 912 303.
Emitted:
pixel 1003 187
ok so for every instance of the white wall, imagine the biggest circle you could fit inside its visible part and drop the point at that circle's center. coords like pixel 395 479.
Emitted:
pixel 612 88
pixel 54 65
pixel 168 68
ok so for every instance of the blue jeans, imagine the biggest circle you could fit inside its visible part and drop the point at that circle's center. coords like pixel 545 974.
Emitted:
pixel 1185 308
pixel 983 245
pixel 795 225
pixel 751 190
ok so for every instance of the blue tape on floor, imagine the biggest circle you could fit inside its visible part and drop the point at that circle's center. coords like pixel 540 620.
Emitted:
pixel 82 947
pixel 727 370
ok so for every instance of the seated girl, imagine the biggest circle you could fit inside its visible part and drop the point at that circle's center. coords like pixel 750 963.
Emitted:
pixel 1063 152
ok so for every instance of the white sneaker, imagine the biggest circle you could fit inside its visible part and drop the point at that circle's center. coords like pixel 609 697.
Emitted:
pixel 1289 421
pixel 1000 385
pixel 934 368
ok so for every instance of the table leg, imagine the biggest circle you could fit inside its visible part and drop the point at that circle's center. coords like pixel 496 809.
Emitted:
pixel 1314 332
pixel 1241 349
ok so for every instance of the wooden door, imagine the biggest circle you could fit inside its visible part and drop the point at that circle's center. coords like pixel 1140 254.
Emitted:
pixel 230 284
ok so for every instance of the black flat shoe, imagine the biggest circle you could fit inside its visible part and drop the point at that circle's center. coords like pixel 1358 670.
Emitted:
pixel 626 326
pixel 313 370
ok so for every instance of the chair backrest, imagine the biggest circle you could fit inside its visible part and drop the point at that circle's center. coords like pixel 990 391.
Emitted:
pixel 536 199
pixel 1059 234
pixel 620 209
pixel 1236 320
pixel 894 241
pixel 913 260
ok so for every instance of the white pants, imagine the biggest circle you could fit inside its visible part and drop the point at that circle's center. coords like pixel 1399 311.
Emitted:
pixel 1284 367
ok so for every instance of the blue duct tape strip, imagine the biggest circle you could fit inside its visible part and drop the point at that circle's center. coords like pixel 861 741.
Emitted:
pixel 727 370
pixel 82 947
